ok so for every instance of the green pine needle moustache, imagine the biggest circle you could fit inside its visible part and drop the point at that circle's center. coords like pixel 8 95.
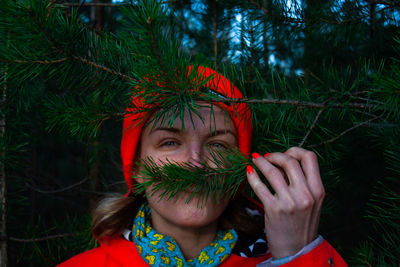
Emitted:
pixel 217 180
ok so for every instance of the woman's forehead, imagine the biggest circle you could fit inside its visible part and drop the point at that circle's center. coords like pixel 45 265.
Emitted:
pixel 208 117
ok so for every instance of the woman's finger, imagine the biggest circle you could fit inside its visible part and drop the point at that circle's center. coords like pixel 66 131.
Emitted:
pixel 309 164
pixel 291 167
pixel 273 175
pixel 259 188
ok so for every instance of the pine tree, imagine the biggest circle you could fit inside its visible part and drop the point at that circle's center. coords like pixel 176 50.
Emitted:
pixel 322 75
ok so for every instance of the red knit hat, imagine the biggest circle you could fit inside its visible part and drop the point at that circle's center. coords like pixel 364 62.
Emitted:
pixel 238 112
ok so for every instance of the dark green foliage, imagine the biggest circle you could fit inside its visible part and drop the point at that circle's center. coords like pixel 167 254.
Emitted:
pixel 323 75
pixel 217 180
pixel 382 211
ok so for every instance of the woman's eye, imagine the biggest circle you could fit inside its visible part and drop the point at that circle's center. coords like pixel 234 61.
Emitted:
pixel 217 145
pixel 169 143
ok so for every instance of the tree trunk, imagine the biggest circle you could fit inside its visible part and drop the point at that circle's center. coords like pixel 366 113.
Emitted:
pixel 371 19
pixel 3 186
pixel 265 40
pixel 97 17
pixel 214 8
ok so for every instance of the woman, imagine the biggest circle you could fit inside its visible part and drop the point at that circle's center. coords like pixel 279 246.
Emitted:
pixel 180 232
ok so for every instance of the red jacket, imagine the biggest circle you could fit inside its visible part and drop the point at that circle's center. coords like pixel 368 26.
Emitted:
pixel 122 253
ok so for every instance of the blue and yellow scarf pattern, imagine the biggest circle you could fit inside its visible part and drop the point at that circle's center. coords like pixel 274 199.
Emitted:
pixel 160 250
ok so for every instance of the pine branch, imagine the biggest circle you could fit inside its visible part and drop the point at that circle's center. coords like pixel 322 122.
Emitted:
pixel 155 47
pixel 106 4
pixel 80 59
pixel 58 190
pixel 280 18
pixel 57 45
pixel 299 103
pixel 104 68
pixel 301 21
pixel 38 239
pixel 345 132
pixel 205 182
pixel 62 50
pixel 383 209
pixel 34 61
pixel 93 4
pixel 357 18
pixel 311 128
pixel 52 2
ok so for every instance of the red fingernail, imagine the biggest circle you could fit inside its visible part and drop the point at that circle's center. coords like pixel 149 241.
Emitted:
pixel 255 155
pixel 266 155
pixel 249 169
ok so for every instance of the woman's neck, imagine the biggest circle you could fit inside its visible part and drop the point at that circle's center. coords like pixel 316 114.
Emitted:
pixel 191 240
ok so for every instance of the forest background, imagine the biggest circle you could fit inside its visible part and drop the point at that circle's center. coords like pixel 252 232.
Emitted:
pixel 323 75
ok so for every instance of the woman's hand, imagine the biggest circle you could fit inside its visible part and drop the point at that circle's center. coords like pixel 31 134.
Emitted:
pixel 292 213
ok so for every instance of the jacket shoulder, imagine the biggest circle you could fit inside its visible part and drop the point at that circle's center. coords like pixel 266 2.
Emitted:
pixel 322 256
pixel 93 257
pixel 115 252
pixel 238 261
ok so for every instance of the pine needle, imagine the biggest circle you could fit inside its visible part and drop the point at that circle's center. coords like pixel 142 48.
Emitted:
pixel 217 180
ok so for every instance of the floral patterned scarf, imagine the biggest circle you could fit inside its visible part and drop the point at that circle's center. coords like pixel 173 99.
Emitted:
pixel 160 250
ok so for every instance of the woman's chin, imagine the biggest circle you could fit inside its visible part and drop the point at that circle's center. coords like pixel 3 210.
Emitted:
pixel 188 210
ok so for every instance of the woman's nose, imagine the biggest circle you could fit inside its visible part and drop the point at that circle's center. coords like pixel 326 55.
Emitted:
pixel 195 155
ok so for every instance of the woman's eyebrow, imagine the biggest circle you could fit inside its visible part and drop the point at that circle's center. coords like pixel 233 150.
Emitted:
pixel 178 130
pixel 163 128
pixel 221 132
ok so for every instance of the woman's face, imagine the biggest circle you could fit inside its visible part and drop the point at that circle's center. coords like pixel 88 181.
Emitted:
pixel 191 144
